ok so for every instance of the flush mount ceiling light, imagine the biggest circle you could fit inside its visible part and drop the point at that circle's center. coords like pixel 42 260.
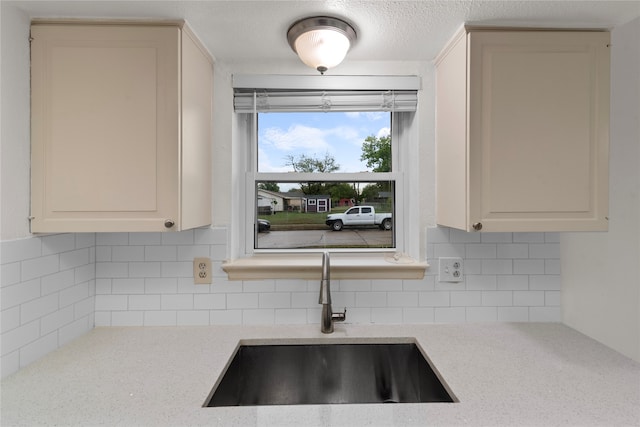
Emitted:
pixel 321 42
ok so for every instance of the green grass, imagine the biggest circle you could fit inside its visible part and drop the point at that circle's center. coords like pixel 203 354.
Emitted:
pixel 297 218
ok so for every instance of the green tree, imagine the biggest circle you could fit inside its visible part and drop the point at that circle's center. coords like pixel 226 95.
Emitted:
pixel 269 186
pixel 306 164
pixel 341 190
pixel 377 153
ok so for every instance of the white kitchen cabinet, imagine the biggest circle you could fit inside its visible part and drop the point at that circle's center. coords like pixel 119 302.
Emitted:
pixel 121 117
pixel 522 130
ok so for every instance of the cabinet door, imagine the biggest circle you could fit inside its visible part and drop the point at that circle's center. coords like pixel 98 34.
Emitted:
pixel 538 130
pixel 105 135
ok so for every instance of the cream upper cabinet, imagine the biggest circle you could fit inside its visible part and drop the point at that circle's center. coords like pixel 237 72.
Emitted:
pixel 522 131
pixel 121 127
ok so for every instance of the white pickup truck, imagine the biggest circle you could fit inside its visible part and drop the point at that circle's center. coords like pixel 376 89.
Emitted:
pixel 359 216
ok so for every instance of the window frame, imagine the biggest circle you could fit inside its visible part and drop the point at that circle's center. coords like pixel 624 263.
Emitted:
pixel 402 134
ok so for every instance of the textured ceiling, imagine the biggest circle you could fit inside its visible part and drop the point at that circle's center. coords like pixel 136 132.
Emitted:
pixel 239 31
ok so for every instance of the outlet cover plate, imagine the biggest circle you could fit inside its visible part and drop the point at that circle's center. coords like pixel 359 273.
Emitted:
pixel 450 269
pixel 202 271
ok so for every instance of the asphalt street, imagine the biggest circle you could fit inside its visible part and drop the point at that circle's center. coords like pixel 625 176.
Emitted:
pixel 360 237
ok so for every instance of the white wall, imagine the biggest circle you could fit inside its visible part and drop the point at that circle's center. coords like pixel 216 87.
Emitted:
pixel 601 271
pixel 15 143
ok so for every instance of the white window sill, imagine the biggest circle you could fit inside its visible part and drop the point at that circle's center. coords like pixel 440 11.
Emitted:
pixel 309 267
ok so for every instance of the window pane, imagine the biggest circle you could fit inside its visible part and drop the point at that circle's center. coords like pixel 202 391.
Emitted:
pixel 326 215
pixel 324 142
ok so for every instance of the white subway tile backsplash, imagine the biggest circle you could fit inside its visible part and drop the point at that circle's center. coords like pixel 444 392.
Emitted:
pixel 544 282
pixel 192 318
pixel 263 316
pixel 20 293
pixel 225 317
pixel 528 237
pixel 481 314
pixel 371 299
pixel 176 302
pixel 402 299
pixel 450 314
pixel 290 316
pixel 512 283
pixel 145 269
pixel 144 239
pixel 496 237
pixel 480 250
pixel 496 266
pixel 434 299
pixel 274 300
pixel 528 298
pixel 127 318
pixel 414 315
pixel 127 253
pixel 545 314
pixel 466 299
pixel 487 282
pixel 38 307
pixel 356 315
pixel 160 253
pixel 144 302
pixel 74 294
pixel 38 267
pixel 58 243
pixel 528 266
pixel 497 298
pixel 20 250
pixel 180 238
pixel 111 302
pixel 74 258
pixel 544 250
pixel 127 286
pixel 9 274
pixel 513 250
pixel 62 285
pixel 513 314
pixel 160 318
pixel 10 318
pixel 552 298
pixel 188 253
pixel 38 348
pixel 386 315
pixel 160 286
pixel 209 302
pixel 242 301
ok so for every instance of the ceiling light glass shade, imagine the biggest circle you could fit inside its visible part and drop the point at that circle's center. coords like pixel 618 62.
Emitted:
pixel 321 42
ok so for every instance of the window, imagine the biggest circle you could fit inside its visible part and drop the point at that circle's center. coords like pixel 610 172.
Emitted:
pixel 312 157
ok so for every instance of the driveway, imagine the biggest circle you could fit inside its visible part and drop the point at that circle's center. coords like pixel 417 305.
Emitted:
pixel 363 237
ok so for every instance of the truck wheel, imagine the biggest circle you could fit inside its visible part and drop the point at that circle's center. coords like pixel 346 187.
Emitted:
pixel 386 224
pixel 337 226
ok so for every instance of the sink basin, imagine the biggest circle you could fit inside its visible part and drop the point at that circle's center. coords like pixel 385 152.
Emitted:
pixel 299 374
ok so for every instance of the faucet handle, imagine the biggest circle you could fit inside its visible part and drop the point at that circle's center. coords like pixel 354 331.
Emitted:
pixel 339 317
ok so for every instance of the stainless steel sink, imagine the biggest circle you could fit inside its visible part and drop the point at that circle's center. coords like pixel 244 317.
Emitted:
pixel 328 374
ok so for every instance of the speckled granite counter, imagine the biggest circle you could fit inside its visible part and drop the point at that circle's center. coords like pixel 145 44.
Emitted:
pixel 503 374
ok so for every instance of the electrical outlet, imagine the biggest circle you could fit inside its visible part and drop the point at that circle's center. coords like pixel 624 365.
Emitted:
pixel 202 271
pixel 450 269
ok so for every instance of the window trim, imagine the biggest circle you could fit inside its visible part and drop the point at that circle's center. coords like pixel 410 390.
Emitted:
pixel 248 264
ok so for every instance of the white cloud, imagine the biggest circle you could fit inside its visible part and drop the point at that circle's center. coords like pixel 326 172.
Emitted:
pixel 383 132
pixel 295 138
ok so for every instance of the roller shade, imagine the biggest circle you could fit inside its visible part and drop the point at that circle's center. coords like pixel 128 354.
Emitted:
pixel 324 100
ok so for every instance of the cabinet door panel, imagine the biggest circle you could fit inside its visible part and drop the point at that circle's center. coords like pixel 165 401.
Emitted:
pixel 539 103
pixel 105 127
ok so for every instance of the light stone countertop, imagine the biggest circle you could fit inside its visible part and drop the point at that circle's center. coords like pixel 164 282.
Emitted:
pixel 502 373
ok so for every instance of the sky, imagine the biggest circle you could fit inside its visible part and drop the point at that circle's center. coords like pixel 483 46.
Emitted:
pixel 314 134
